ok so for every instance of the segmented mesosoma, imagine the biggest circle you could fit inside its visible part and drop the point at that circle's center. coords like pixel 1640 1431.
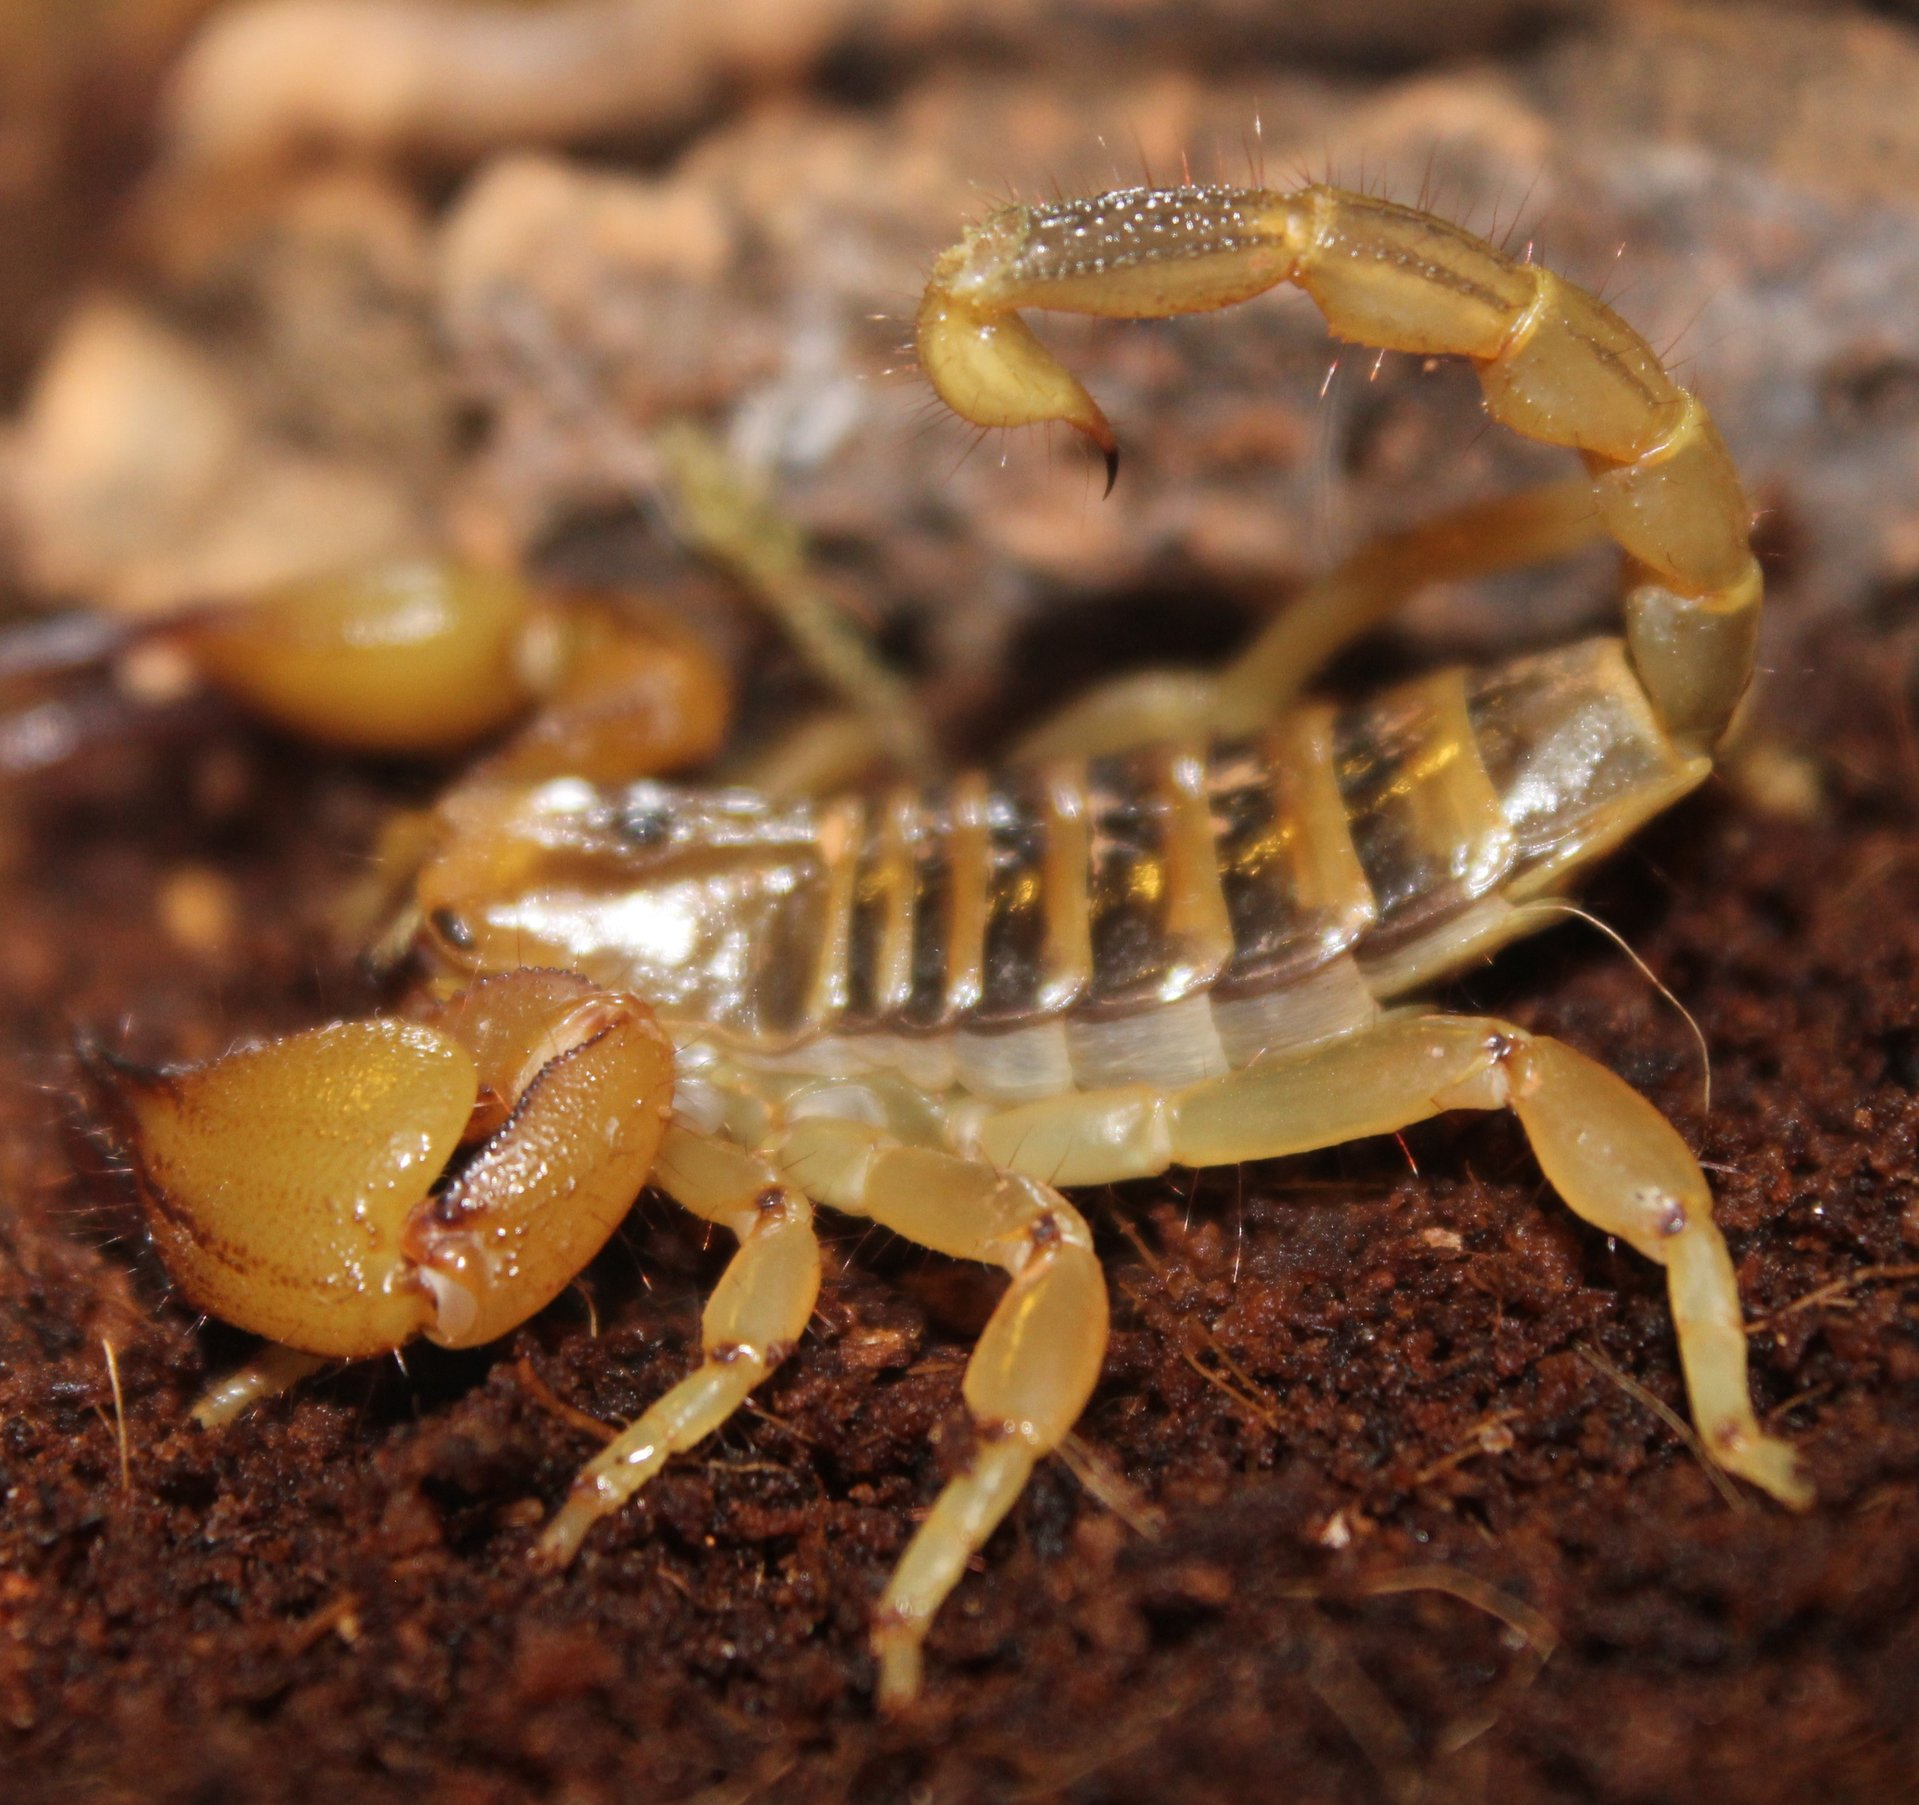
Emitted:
pixel 1155 916
pixel 934 1008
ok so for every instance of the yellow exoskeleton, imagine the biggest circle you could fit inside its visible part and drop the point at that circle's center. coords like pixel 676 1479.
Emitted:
pixel 1196 940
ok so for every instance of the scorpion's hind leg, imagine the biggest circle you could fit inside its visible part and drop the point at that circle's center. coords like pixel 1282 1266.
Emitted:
pixel 752 1321
pixel 1267 678
pixel 1030 1375
pixel 1620 1164
pixel 1614 1159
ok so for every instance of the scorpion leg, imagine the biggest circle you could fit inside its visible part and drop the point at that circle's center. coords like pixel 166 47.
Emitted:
pixel 426 656
pixel 835 749
pixel 1030 1375
pixel 276 1368
pixel 751 1323
pixel 1613 1158
pixel 719 512
pixel 1265 680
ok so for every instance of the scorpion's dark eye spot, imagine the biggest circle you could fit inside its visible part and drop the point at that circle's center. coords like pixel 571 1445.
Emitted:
pixel 645 823
pixel 453 928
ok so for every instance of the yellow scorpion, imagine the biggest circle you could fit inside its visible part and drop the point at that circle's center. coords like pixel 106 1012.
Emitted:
pixel 1193 943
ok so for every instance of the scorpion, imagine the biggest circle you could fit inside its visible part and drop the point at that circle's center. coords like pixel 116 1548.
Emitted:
pixel 1189 928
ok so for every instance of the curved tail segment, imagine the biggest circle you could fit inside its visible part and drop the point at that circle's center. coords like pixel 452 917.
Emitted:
pixel 1555 365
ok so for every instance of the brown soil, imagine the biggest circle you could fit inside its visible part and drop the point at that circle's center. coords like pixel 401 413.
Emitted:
pixel 1437 1367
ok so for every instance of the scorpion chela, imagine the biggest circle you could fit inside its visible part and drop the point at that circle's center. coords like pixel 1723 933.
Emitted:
pixel 1190 942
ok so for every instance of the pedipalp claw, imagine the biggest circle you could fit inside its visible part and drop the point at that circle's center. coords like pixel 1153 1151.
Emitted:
pixel 312 1189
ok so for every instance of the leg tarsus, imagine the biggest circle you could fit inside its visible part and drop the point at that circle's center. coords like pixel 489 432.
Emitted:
pixel 962 1518
pixel 697 1406
pixel 1705 1307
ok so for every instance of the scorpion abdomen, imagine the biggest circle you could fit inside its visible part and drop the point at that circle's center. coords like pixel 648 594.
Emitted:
pixel 1154 915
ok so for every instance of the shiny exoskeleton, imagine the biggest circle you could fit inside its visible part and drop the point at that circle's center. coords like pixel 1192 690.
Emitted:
pixel 1187 930
pixel 1158 915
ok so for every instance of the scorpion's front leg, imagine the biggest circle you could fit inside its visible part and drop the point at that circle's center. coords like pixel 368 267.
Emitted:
pixel 1030 1375
pixel 751 1323
pixel 1604 1148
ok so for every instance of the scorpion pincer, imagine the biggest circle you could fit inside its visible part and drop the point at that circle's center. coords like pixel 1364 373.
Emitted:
pixel 943 1009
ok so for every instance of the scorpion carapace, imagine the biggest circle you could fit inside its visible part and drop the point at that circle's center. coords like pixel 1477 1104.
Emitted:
pixel 935 1008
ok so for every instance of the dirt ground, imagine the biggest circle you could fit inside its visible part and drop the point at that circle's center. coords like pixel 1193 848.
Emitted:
pixel 1382 1495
